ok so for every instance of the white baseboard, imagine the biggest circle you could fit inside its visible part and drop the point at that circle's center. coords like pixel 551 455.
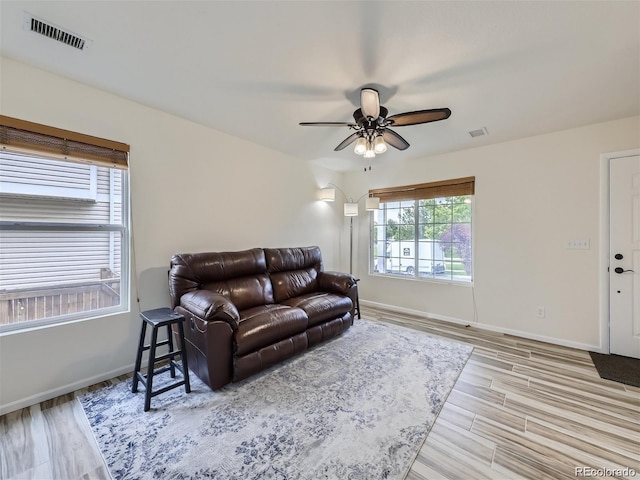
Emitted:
pixel 63 390
pixel 484 326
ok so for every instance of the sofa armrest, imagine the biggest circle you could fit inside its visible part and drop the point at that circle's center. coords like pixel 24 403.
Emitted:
pixel 210 306
pixel 336 282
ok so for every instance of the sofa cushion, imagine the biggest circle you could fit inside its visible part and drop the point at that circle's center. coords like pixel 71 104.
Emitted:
pixel 267 324
pixel 222 272
pixel 287 259
pixel 294 271
pixel 244 292
pixel 291 284
pixel 320 306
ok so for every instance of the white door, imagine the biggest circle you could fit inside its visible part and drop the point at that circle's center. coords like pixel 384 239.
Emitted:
pixel 624 259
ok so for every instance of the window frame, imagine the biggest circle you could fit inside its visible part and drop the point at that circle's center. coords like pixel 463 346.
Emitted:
pixel 85 149
pixel 403 194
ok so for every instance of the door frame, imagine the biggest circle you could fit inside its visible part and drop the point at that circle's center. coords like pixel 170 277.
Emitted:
pixel 605 161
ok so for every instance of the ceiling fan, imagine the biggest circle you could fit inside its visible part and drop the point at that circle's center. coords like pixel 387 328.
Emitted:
pixel 372 133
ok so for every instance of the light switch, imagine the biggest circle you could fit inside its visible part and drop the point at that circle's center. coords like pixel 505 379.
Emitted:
pixel 579 244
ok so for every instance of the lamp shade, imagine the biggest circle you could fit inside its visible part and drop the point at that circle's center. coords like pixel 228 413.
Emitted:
pixel 327 194
pixel 372 203
pixel 379 145
pixel 350 209
pixel 361 146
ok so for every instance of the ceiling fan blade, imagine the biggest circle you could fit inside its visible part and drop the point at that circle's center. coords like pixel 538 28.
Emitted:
pixel 370 102
pixel 421 116
pixel 395 140
pixel 347 141
pixel 327 124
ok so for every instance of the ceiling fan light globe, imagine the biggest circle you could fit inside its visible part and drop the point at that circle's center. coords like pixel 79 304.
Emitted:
pixel 379 145
pixel 361 146
pixel 369 154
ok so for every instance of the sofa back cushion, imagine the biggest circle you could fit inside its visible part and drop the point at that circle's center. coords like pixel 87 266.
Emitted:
pixel 294 271
pixel 241 276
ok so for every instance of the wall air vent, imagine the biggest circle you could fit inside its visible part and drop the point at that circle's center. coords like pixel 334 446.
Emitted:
pixel 479 132
pixel 36 25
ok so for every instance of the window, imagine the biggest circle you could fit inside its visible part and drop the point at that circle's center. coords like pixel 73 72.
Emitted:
pixel 63 225
pixel 424 231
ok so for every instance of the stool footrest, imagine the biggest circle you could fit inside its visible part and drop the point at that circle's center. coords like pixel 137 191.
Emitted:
pixel 168 387
pixel 175 353
pixel 158 344
pixel 143 379
pixel 166 368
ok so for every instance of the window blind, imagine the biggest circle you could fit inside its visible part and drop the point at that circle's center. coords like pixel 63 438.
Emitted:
pixel 424 191
pixel 28 137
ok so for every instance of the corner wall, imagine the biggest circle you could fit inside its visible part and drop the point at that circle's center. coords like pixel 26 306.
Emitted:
pixel 532 195
pixel 192 189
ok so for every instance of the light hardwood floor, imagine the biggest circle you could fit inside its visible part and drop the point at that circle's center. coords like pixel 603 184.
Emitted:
pixel 520 409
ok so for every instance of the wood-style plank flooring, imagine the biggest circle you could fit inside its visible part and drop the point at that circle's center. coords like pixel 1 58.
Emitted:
pixel 520 409
pixel 525 409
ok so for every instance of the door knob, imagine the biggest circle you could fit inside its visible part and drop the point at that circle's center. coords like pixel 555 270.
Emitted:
pixel 621 270
pixel 618 256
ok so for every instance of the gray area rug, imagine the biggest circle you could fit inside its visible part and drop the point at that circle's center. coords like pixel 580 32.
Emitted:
pixel 356 407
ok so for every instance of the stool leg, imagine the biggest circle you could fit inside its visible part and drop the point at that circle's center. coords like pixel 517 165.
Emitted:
pixel 150 367
pixel 183 357
pixel 172 369
pixel 134 385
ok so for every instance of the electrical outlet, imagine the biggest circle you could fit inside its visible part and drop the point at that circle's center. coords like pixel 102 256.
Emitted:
pixel 540 311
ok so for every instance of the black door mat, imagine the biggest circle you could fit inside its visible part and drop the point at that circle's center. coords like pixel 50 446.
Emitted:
pixel 617 368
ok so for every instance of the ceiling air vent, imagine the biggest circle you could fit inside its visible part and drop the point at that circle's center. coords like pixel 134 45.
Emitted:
pixel 479 132
pixel 36 25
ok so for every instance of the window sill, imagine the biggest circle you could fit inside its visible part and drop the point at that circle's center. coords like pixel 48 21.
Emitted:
pixel 35 325
pixel 411 278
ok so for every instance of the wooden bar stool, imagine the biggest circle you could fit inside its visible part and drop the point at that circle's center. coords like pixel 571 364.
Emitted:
pixel 160 317
pixel 357 309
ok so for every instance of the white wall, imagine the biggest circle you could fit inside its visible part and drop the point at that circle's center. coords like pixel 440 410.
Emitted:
pixel 193 189
pixel 532 195
pixel 196 189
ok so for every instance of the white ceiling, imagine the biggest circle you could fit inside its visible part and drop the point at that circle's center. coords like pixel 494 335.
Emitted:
pixel 256 69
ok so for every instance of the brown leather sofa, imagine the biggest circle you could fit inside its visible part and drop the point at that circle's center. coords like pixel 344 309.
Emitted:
pixel 248 310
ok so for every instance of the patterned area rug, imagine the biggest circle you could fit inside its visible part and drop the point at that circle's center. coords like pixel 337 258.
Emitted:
pixel 356 407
